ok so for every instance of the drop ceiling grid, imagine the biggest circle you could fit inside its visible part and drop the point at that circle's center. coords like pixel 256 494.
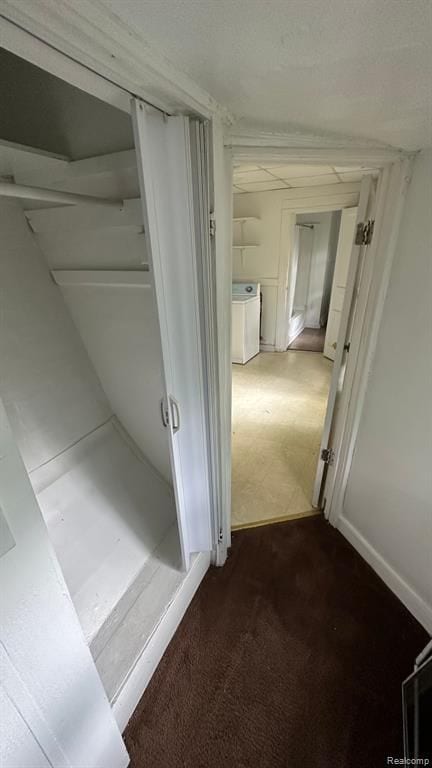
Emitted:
pixel 255 178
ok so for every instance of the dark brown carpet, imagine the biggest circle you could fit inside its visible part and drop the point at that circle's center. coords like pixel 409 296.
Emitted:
pixel 291 656
pixel 309 340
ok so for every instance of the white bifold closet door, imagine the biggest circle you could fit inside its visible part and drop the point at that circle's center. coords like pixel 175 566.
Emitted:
pixel 164 167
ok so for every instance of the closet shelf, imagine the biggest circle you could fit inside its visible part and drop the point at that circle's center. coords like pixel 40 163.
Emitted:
pixel 242 247
pixel 8 189
pixel 102 277
pixel 246 218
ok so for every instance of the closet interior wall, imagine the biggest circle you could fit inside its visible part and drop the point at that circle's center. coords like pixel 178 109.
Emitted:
pixel 81 380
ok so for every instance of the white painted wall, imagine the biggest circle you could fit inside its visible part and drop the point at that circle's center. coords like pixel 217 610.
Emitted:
pixel 320 251
pixel 106 509
pixel 52 699
pixel 51 393
pixel 388 502
pixel 260 264
pixel 304 263
pixel 268 264
pixel 118 326
pixel 331 261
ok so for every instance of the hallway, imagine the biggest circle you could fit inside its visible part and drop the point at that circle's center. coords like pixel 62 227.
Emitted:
pixel 290 656
pixel 279 403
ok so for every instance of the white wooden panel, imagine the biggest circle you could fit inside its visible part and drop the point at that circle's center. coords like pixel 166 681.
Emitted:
pixel 153 591
pixel 101 278
pixel 163 156
pixel 338 298
pixel 119 327
pixel 106 510
pixel 107 248
pixel 332 332
pixel 268 319
pixel 50 389
pixel 47 666
pixel 21 748
pixel 80 217
pixel 345 243
pixel 237 332
pixel 340 277
pixel 346 316
pixel 46 171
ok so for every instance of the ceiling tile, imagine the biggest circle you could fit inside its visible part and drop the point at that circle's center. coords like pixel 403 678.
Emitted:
pixel 296 171
pixel 264 186
pixel 248 176
pixel 312 181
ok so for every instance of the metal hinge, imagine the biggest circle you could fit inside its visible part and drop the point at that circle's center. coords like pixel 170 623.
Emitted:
pixel 212 224
pixel 220 535
pixel 327 455
pixel 364 232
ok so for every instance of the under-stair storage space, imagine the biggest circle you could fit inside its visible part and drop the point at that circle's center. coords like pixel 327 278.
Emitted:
pixel 82 373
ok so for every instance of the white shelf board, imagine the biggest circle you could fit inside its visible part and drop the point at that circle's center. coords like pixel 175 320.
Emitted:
pixel 242 247
pixel 114 277
pixel 246 218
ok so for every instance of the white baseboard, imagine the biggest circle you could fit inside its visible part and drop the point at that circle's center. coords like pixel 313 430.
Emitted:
pixel 406 594
pixel 267 348
pixel 141 674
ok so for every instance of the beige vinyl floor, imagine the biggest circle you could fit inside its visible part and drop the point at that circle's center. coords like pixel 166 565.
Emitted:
pixel 279 402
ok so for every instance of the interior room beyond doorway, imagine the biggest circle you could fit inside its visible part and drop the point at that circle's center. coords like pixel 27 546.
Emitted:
pixel 279 404
pixel 281 378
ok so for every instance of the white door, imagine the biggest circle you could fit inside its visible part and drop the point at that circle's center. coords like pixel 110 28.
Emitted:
pixel 54 711
pixel 343 255
pixel 364 212
pixel 164 168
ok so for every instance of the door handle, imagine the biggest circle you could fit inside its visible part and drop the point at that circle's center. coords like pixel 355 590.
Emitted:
pixel 164 412
pixel 175 414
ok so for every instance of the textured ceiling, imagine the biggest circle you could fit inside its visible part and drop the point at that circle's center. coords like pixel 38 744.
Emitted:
pixel 356 67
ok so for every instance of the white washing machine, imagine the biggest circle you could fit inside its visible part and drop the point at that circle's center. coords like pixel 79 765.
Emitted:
pixel 245 339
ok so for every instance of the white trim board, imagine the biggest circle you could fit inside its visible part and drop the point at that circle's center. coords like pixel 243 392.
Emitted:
pixel 261 148
pixel 28 46
pixel 120 278
pixel 415 604
pixel 331 197
pixel 390 202
pixel 89 34
pixel 139 678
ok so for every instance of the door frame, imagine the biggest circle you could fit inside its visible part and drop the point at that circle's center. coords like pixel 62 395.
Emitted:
pixel 395 170
pixel 357 257
pixel 327 204
pixel 25 35
pixel 60 43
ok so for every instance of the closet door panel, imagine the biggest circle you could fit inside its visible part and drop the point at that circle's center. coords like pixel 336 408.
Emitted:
pixel 164 167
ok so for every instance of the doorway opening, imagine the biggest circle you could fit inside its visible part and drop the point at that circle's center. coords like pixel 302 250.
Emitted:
pixel 293 234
